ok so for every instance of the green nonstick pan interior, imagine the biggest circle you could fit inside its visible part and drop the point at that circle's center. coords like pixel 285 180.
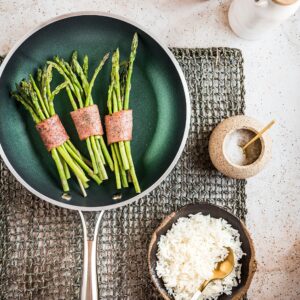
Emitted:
pixel 158 98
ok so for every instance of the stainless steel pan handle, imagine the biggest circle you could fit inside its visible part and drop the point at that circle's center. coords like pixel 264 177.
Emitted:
pixel 90 223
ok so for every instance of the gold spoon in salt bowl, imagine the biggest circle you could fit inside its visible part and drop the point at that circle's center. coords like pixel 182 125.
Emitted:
pixel 259 134
pixel 223 269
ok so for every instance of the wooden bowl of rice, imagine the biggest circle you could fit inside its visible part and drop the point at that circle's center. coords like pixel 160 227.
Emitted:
pixel 248 263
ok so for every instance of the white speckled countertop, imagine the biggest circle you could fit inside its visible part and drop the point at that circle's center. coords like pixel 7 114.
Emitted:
pixel 272 70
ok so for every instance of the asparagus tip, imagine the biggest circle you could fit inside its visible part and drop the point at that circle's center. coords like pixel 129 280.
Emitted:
pixel 106 56
pixel 134 42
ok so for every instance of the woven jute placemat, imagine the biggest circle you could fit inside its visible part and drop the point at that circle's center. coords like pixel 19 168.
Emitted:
pixel 41 245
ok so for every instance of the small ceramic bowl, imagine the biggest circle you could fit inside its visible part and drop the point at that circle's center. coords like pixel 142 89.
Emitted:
pixel 220 152
pixel 248 261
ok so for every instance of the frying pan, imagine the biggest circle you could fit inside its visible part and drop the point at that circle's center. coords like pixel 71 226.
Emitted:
pixel 159 99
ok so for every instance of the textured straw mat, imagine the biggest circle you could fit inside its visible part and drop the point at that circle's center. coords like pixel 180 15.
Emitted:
pixel 41 245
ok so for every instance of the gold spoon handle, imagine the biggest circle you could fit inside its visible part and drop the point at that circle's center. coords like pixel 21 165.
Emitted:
pixel 259 134
pixel 197 295
pixel 204 285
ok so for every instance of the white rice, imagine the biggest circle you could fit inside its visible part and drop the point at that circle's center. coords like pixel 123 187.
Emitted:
pixel 190 251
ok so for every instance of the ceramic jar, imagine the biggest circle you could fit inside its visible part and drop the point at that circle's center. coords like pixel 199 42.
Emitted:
pixel 220 152
pixel 252 19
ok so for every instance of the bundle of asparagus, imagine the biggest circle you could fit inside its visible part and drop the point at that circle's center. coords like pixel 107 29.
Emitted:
pixel 85 113
pixel 37 97
pixel 118 107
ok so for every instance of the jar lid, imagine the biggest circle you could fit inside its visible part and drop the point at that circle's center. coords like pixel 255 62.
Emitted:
pixel 285 2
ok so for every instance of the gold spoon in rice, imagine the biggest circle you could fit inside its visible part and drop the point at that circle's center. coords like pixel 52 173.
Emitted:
pixel 223 269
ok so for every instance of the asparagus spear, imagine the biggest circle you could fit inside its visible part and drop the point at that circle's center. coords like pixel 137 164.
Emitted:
pixel 118 103
pixel 114 148
pixel 132 56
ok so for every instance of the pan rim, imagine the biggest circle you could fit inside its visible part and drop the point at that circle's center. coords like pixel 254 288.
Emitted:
pixel 187 117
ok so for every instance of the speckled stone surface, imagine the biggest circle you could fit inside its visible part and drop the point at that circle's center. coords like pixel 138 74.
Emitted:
pixel 272 70
pixel 219 157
